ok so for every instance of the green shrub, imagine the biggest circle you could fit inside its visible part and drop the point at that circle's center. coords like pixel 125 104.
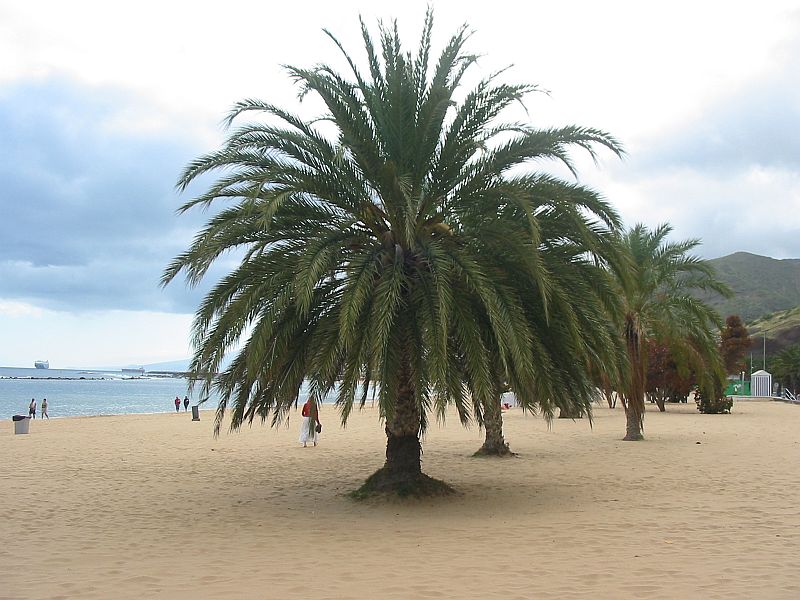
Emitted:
pixel 715 404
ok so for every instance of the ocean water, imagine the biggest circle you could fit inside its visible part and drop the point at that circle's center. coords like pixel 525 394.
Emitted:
pixel 72 393
pixel 76 393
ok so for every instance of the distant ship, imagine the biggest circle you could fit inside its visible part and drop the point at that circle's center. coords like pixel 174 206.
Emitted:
pixel 42 364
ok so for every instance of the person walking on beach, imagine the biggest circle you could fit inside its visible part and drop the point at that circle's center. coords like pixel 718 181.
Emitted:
pixel 44 409
pixel 185 403
pixel 32 408
pixel 311 427
pixel 177 404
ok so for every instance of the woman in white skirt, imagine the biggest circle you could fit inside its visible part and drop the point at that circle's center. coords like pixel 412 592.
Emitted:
pixel 310 427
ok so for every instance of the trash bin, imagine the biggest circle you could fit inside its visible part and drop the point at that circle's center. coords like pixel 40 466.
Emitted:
pixel 22 424
pixel 195 413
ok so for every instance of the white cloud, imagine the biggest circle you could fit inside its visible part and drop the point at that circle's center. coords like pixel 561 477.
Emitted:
pixel 15 310
pixel 90 339
pixel 627 66
pixel 743 211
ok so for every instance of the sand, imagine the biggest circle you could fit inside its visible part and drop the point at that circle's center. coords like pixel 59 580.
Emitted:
pixel 153 506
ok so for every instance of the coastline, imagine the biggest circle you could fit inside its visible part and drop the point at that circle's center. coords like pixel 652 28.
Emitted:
pixel 208 411
pixel 145 506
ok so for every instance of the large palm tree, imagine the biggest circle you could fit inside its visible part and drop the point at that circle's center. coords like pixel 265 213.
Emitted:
pixel 372 239
pixel 661 302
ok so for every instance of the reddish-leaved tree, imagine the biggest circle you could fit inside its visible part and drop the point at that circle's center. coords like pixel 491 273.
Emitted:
pixel 734 345
pixel 664 380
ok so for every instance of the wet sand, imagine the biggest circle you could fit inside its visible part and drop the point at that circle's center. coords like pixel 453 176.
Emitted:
pixel 153 506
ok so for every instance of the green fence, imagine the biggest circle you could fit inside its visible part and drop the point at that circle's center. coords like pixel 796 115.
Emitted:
pixel 737 388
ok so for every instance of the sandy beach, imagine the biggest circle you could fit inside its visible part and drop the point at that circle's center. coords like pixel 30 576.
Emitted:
pixel 153 506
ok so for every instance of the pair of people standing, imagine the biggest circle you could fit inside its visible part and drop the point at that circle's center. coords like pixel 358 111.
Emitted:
pixel 311 427
pixel 32 408
pixel 178 403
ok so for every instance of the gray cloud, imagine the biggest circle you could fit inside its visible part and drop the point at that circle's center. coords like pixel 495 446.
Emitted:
pixel 87 203
pixel 755 124
pixel 730 176
pixel 757 127
pixel 87 217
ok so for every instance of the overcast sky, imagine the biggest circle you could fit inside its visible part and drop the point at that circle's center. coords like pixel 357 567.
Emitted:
pixel 103 103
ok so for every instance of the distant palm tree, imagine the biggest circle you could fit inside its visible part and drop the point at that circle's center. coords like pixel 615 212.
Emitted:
pixel 786 367
pixel 369 254
pixel 659 294
pixel 576 329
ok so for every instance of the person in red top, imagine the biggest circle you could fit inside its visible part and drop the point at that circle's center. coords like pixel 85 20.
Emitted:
pixel 177 404
pixel 310 427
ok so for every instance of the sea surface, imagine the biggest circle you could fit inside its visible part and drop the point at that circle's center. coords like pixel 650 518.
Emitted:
pixel 72 393
pixel 81 393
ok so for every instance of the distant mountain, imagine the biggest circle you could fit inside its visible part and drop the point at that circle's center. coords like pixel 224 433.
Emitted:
pixel 180 366
pixel 761 285
pixel 177 366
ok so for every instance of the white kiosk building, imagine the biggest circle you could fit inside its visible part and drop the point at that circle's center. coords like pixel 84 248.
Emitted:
pixel 761 384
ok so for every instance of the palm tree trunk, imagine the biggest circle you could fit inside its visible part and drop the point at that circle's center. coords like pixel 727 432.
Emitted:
pixel 607 391
pixel 634 407
pixel 402 474
pixel 633 427
pixel 494 443
pixel 403 450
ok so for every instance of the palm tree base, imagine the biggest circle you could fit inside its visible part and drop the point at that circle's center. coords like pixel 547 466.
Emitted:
pixel 633 425
pixel 570 414
pixel 390 483
pixel 500 450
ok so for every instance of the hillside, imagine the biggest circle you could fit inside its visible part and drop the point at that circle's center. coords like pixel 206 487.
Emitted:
pixel 761 285
pixel 783 330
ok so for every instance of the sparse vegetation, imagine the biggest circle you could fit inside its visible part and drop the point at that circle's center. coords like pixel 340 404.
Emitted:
pixel 713 401
pixel 786 367
pixel 761 286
